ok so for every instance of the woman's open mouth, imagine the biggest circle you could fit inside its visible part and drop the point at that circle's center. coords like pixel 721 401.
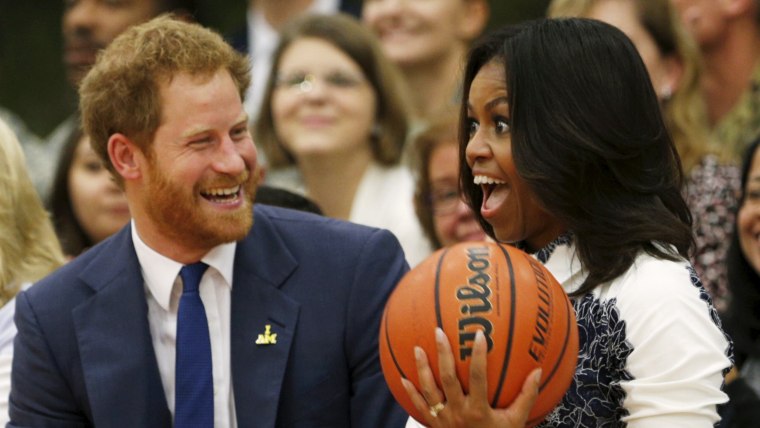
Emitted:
pixel 495 192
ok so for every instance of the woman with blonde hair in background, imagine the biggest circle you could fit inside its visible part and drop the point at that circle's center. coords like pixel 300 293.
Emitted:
pixel 674 65
pixel 29 249
pixel 428 41
pixel 334 115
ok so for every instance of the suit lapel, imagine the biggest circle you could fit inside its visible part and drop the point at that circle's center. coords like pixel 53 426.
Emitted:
pixel 262 264
pixel 118 360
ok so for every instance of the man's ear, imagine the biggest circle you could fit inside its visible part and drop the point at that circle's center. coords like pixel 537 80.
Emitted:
pixel 472 24
pixel 126 157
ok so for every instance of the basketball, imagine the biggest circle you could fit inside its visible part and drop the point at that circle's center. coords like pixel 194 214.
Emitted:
pixel 526 317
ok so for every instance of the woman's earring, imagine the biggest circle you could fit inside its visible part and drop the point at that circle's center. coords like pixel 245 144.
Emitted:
pixel 666 93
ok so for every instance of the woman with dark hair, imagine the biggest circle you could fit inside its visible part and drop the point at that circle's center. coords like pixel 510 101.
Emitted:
pixel 564 153
pixel 711 178
pixel 743 318
pixel 87 205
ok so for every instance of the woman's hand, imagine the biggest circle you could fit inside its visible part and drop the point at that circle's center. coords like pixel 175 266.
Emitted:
pixel 451 407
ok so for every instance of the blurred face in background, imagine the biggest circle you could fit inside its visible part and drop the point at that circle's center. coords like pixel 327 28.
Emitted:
pixel 664 71
pixel 706 20
pixel 453 220
pixel 90 25
pixel 99 205
pixel 322 103
pixel 749 215
pixel 423 31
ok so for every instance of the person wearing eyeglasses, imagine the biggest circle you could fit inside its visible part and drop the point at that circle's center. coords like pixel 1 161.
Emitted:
pixel 333 125
pixel 445 217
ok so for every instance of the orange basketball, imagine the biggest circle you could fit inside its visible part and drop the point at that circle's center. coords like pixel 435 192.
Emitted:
pixel 526 317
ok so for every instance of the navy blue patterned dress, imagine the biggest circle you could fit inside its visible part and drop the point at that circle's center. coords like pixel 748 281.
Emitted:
pixel 613 319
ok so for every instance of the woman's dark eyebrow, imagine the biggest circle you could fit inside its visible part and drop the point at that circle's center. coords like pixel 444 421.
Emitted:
pixel 491 104
pixel 496 101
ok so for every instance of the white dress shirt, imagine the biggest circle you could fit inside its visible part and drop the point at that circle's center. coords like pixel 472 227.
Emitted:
pixel 385 199
pixel 163 288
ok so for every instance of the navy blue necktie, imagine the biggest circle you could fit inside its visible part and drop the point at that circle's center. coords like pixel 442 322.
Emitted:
pixel 194 389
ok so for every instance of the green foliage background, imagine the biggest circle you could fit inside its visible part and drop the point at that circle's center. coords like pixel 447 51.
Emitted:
pixel 32 82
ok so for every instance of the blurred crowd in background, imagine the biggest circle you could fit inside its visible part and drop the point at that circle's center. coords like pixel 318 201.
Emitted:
pixel 384 150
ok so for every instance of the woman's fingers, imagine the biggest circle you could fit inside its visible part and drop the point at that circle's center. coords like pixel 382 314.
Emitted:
pixel 428 386
pixel 478 375
pixel 452 389
pixel 417 399
pixel 521 407
pixel 451 407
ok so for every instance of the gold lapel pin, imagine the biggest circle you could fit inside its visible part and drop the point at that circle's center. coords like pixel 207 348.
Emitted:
pixel 267 338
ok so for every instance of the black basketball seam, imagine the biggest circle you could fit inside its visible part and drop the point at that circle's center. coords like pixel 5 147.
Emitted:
pixel 510 336
pixel 556 366
pixel 564 347
pixel 437 289
pixel 390 346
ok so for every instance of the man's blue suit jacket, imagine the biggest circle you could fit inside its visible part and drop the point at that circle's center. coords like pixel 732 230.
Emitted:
pixel 84 355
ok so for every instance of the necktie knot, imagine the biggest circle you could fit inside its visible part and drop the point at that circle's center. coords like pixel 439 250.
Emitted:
pixel 191 276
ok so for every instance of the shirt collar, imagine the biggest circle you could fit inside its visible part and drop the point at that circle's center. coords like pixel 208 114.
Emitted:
pixel 544 254
pixel 160 272
pixel 561 259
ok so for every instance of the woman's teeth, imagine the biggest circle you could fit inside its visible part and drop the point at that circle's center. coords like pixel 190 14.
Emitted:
pixel 483 179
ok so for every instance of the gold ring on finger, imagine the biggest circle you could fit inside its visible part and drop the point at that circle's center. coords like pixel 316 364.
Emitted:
pixel 436 409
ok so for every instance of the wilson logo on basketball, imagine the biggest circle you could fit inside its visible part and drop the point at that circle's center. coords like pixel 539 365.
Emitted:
pixel 544 311
pixel 475 300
